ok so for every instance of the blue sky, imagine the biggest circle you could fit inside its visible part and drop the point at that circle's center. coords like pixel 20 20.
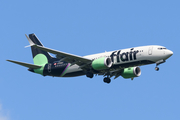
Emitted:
pixel 85 27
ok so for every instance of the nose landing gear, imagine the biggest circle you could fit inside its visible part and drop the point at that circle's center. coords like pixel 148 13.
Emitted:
pixel 158 63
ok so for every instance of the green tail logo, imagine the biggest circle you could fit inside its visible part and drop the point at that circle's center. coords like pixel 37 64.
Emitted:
pixel 40 59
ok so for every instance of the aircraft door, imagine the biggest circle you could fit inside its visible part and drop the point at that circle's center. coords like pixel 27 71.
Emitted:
pixel 150 50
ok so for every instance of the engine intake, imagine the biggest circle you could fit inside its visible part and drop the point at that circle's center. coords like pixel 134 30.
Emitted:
pixel 102 63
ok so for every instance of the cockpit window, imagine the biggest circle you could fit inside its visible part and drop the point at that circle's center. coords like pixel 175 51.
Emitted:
pixel 161 48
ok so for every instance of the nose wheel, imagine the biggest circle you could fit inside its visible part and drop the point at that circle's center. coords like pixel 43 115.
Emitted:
pixel 157 68
pixel 107 80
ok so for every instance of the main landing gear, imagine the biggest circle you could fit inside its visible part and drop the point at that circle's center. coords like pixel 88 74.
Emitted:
pixel 107 80
pixel 89 74
pixel 158 63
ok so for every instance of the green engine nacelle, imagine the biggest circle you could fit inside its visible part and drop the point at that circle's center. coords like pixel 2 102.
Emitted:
pixel 131 72
pixel 102 63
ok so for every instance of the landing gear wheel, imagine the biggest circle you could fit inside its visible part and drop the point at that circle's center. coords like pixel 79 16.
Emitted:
pixel 107 80
pixel 156 68
pixel 89 74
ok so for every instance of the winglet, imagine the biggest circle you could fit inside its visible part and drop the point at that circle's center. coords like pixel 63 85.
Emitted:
pixel 30 42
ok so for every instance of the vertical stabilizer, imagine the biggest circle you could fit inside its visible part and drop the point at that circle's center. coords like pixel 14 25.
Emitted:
pixel 40 57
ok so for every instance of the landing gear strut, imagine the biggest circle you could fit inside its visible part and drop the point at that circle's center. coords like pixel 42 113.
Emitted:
pixel 158 63
pixel 107 80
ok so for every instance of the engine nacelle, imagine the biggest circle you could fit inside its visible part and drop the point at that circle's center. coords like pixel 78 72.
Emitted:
pixel 102 63
pixel 131 72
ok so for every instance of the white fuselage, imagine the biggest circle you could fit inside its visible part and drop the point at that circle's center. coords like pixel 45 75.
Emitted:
pixel 123 62
pixel 135 56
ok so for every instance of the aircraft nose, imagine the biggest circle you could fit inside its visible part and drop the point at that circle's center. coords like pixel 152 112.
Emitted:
pixel 169 53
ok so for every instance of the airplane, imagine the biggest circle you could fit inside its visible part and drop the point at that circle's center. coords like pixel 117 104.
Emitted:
pixel 123 62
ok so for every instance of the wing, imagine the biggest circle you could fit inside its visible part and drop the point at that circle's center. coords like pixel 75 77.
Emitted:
pixel 112 73
pixel 66 57
pixel 26 64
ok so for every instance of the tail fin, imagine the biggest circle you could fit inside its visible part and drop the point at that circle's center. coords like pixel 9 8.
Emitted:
pixel 40 57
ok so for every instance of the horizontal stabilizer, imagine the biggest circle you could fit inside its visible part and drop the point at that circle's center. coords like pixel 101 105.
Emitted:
pixel 26 64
